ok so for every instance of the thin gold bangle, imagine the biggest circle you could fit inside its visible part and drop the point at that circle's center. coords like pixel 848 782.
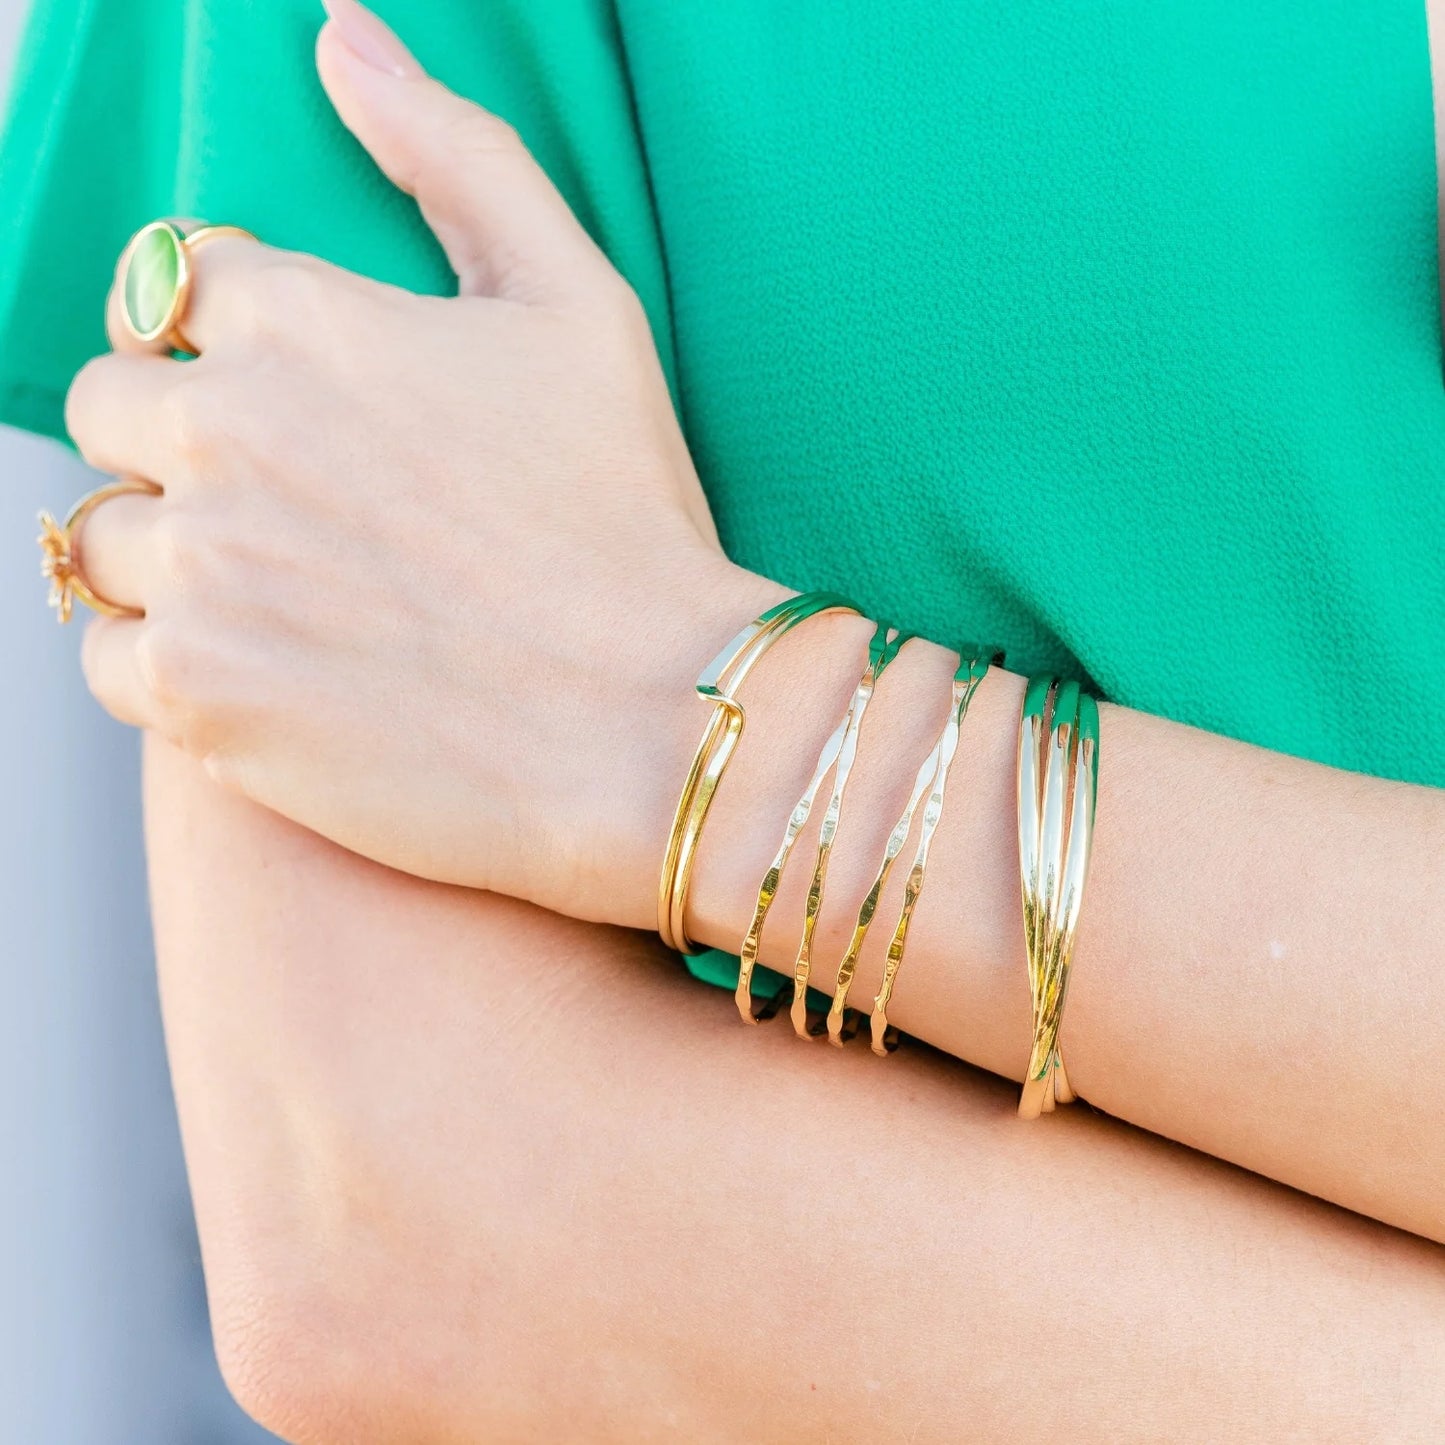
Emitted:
pixel 797 821
pixel 922 784
pixel 837 1010
pixel 1058 761
pixel 717 685
pixel 1042 781
pixel 972 670
pixel 768 889
pixel 1084 792
pixel 887 643
pixel 1057 777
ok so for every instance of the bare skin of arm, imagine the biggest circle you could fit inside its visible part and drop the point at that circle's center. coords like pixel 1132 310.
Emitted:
pixel 1257 971
pixel 467 1170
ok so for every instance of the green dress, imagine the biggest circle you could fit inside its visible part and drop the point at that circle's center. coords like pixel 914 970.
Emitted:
pixel 1104 330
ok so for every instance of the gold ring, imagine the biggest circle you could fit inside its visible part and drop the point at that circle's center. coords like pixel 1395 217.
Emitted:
pixel 60 560
pixel 155 281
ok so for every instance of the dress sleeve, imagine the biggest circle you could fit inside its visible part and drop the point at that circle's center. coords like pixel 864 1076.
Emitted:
pixel 124 110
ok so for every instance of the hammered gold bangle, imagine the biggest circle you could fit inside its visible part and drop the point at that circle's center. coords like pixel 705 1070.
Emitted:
pixel 1049 709
pixel 972 670
pixel 837 757
pixel 837 1010
pixel 1058 763
pixel 965 680
pixel 718 685
pixel 768 889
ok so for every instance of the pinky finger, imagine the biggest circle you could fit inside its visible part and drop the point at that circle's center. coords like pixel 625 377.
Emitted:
pixel 112 660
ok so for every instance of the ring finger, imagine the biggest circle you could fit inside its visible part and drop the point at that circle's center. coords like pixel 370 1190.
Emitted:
pixel 116 550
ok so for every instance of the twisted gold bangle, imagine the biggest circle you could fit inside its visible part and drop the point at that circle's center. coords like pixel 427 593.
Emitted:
pixel 887 643
pixel 717 685
pixel 896 839
pixel 922 784
pixel 1041 781
pixel 1058 759
pixel 972 670
pixel 768 890
pixel 1056 778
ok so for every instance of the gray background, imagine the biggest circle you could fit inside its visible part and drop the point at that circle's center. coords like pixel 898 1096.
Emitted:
pixel 103 1335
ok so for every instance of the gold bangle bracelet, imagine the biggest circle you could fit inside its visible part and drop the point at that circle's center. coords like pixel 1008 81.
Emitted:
pixel 1042 783
pixel 837 1010
pixel 717 685
pixel 972 670
pixel 887 643
pixel 1084 792
pixel 1058 761
pixel 922 783
pixel 768 889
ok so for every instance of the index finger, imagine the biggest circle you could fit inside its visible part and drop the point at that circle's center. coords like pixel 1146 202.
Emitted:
pixel 120 336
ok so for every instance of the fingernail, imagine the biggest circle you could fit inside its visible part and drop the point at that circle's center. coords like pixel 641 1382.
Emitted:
pixel 370 39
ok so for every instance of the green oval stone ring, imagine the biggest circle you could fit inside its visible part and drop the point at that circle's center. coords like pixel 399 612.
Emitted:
pixel 155 282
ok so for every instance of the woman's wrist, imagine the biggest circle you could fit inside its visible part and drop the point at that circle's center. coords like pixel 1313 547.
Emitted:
pixel 714 599
pixel 792 701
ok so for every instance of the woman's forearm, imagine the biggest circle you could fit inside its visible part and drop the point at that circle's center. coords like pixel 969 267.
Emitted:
pixel 1258 958
pixel 467 1170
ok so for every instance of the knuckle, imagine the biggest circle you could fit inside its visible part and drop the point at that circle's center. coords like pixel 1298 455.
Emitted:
pixel 466 136
pixel 480 132
pixel 186 418
pixel 621 304
pixel 223 768
pixel 286 295
pixel 175 540
pixel 168 541
pixel 163 662
pixel 176 664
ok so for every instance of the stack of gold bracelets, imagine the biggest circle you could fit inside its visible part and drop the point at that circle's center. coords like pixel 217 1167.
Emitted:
pixel 1058 761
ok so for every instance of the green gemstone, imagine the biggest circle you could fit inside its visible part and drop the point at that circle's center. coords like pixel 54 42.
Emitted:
pixel 152 276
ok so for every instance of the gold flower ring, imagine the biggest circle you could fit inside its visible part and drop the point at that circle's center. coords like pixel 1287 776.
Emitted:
pixel 60 558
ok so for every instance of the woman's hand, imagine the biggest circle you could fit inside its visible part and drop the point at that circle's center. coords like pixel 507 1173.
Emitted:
pixel 428 576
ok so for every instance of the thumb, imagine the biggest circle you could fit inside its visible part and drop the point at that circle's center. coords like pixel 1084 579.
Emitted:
pixel 505 228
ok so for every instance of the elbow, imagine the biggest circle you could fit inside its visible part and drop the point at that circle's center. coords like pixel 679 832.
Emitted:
pixel 320 1349
pixel 293 1363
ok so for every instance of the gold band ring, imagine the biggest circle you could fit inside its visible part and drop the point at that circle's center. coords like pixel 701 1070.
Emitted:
pixel 60 560
pixel 155 280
